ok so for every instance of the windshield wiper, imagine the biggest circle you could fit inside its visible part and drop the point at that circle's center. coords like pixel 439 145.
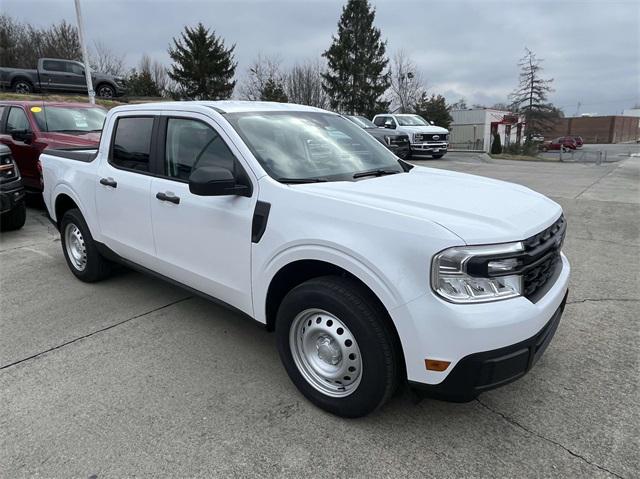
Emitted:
pixel 295 181
pixel 376 172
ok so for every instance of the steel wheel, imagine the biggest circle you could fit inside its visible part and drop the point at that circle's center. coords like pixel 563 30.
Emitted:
pixel 325 352
pixel 76 248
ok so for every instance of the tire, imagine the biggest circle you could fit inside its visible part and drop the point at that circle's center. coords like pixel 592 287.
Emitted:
pixel 22 87
pixel 437 157
pixel 80 250
pixel 14 219
pixel 105 91
pixel 348 340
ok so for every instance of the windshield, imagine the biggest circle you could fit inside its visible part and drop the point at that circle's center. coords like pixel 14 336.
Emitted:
pixel 411 120
pixel 311 146
pixel 362 122
pixel 63 119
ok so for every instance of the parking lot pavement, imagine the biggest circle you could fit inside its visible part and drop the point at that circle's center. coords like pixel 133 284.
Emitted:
pixel 135 377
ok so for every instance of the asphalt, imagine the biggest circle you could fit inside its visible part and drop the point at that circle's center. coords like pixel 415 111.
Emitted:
pixel 135 377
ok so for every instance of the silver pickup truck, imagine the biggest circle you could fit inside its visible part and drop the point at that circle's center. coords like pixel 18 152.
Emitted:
pixel 56 75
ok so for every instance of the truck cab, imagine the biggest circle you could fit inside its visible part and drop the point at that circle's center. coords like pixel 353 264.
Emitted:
pixel 425 137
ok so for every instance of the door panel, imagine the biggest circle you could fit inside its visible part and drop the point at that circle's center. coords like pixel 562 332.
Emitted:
pixel 204 242
pixel 122 191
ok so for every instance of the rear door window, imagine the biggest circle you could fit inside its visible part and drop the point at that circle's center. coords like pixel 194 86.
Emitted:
pixel 54 66
pixel 131 147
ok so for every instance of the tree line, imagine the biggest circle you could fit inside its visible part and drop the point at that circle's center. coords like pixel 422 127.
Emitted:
pixel 354 76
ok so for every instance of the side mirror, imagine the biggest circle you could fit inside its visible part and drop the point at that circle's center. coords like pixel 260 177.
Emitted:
pixel 215 181
pixel 25 136
pixel 389 124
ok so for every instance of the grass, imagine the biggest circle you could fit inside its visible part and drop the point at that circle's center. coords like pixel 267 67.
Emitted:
pixel 506 156
pixel 108 104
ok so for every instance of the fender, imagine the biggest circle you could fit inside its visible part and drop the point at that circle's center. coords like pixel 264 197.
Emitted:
pixel 334 254
pixel 66 189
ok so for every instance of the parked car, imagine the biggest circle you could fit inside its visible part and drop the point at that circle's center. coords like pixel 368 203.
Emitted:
pixel 28 127
pixel 396 142
pixel 58 75
pixel 564 143
pixel 13 211
pixel 579 141
pixel 370 270
pixel 425 137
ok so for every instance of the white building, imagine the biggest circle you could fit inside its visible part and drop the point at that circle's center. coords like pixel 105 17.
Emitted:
pixel 472 129
pixel 631 112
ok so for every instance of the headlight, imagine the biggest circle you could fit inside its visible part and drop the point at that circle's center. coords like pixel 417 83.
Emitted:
pixel 8 168
pixel 475 274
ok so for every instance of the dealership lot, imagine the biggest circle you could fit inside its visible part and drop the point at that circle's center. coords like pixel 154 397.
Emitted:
pixel 133 376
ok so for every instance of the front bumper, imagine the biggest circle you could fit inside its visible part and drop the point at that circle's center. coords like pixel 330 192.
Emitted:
pixel 480 372
pixel 431 328
pixel 11 194
pixel 430 148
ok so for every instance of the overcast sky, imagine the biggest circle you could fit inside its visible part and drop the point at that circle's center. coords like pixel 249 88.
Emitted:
pixel 463 48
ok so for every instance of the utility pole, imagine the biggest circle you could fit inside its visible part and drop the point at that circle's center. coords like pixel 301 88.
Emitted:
pixel 85 55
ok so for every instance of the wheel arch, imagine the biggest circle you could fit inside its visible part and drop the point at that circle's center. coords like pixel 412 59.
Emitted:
pixel 18 78
pixel 297 272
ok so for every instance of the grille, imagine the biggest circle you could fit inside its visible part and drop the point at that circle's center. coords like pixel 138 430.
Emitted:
pixel 542 252
pixel 430 137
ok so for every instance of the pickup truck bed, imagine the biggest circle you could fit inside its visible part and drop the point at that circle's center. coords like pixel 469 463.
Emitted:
pixel 77 154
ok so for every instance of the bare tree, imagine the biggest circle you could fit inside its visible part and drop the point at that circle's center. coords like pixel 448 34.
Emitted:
pixel 156 71
pixel 104 60
pixel 264 69
pixel 407 84
pixel 304 84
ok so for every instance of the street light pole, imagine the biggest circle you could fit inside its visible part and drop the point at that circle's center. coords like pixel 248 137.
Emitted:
pixel 85 55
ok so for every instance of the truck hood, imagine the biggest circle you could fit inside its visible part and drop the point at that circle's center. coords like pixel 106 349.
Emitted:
pixel 479 210
pixel 425 129
pixel 66 140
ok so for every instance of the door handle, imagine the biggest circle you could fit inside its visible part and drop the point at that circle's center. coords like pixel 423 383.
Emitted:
pixel 168 197
pixel 109 182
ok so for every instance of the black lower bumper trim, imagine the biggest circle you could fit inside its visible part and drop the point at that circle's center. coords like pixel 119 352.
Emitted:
pixel 491 369
pixel 10 196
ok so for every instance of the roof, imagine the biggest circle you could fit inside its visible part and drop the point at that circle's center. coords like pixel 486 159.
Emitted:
pixel 226 106
pixel 28 103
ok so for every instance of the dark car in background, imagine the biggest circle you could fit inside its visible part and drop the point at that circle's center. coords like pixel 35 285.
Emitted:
pixel 28 127
pixel 564 143
pixel 13 211
pixel 398 143
pixel 59 75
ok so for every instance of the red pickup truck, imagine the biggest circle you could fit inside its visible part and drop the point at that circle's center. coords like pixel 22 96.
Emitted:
pixel 28 127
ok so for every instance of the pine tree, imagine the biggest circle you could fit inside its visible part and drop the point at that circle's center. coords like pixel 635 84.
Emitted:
pixel 356 80
pixel 203 68
pixel 434 109
pixel 530 98
pixel 496 146
pixel 273 90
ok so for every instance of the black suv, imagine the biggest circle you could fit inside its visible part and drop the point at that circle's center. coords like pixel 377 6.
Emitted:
pixel 398 143
pixel 13 211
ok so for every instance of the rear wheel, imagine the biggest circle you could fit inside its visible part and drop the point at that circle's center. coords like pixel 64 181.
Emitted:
pixel 14 219
pixel 336 346
pixel 80 250
pixel 22 86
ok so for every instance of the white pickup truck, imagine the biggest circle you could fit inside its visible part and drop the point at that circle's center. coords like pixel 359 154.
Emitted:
pixel 372 272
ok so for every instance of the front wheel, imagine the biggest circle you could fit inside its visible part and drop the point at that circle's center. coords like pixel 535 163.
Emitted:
pixel 15 218
pixel 337 347
pixel 80 250
pixel 106 91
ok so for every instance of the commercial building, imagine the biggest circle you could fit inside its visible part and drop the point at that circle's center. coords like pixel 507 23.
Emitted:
pixel 473 128
pixel 598 129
